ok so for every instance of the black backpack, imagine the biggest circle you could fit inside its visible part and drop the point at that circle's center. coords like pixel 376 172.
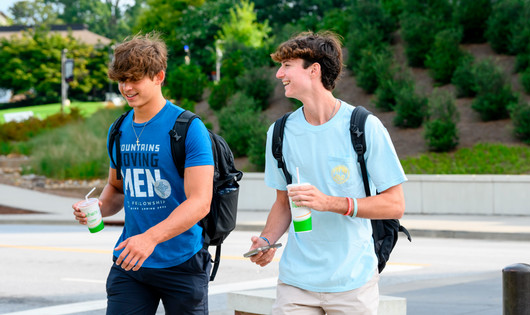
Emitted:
pixel 221 219
pixel 385 232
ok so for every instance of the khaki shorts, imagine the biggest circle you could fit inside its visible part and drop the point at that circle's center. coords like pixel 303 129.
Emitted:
pixel 362 301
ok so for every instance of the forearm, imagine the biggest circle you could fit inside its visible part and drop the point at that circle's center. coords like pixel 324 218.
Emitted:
pixel 184 217
pixel 111 199
pixel 278 221
pixel 389 204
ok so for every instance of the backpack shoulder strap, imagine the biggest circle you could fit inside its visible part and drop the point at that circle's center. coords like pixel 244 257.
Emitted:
pixel 277 146
pixel 178 139
pixel 114 140
pixel 358 119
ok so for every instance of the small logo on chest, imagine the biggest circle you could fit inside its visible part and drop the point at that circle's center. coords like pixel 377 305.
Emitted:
pixel 340 174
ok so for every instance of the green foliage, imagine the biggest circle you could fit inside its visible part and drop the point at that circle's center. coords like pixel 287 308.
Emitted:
pixel 35 12
pixel 258 84
pixel 240 122
pixel 365 37
pixel 522 62
pixel 520 114
pixel 31 64
pixel 472 15
pixel 220 93
pixel 336 20
pixel 441 133
pixel 186 82
pixel 372 64
pixel 483 158
pixel 494 96
pixel 411 108
pixel 502 23
pixel 464 77
pixel 365 12
pixel 74 151
pixel 444 55
pixel 24 130
pixel 391 81
pixel 197 27
pixel 420 22
pixel 243 27
pixel 525 80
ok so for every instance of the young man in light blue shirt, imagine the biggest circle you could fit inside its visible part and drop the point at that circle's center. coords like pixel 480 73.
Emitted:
pixel 333 268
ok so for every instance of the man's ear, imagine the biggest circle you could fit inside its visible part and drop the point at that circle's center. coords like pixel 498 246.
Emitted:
pixel 315 70
pixel 159 77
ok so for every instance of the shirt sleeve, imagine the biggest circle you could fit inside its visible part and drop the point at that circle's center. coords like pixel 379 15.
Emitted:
pixel 382 162
pixel 198 145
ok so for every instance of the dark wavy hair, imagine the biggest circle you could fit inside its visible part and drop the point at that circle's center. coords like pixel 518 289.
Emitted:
pixel 323 48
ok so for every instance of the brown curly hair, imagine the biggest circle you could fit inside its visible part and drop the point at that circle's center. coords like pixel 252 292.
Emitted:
pixel 137 57
pixel 323 48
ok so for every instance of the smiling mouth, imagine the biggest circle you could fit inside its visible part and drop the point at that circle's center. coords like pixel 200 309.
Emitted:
pixel 286 82
pixel 131 95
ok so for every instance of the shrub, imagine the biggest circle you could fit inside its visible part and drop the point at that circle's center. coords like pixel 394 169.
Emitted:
pixel 359 39
pixel 186 82
pixel 501 24
pixel 472 15
pixel 24 130
pixel 522 62
pixel 258 84
pixel 520 114
pixel 372 63
pixel 443 57
pixel 441 133
pixel 238 122
pixel 420 22
pixel 73 154
pixel 411 109
pixel 464 77
pixel 220 93
pixel 525 80
pixel 493 94
pixel 372 13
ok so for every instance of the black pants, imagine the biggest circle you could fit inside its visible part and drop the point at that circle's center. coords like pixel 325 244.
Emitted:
pixel 183 289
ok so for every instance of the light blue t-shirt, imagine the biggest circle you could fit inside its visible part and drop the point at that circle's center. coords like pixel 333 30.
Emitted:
pixel 338 254
pixel 152 185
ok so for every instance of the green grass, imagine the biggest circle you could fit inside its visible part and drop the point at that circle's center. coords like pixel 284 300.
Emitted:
pixel 43 111
pixel 483 158
pixel 74 151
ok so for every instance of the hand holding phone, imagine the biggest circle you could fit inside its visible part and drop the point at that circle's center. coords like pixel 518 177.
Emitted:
pixel 255 251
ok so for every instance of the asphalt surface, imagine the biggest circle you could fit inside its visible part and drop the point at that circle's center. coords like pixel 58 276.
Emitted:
pixel 55 209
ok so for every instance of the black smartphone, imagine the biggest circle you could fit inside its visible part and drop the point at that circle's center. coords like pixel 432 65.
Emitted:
pixel 259 249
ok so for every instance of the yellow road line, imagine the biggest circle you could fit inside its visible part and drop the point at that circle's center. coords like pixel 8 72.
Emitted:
pixel 94 251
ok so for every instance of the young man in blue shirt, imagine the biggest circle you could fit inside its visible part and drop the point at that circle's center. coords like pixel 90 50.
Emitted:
pixel 160 254
pixel 333 268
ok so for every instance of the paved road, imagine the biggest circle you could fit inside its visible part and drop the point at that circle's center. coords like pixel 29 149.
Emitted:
pixel 60 266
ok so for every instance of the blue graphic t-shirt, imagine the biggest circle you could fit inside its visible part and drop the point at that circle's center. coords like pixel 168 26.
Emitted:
pixel 152 185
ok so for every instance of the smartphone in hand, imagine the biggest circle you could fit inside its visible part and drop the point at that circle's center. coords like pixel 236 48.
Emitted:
pixel 260 249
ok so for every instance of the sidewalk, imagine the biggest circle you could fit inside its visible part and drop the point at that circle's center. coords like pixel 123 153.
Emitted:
pixel 58 210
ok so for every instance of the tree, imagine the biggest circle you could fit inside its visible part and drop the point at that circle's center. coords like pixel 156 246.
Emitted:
pixel 102 17
pixel 243 27
pixel 35 12
pixel 31 64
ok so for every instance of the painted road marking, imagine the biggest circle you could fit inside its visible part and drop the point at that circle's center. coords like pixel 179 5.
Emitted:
pixel 73 308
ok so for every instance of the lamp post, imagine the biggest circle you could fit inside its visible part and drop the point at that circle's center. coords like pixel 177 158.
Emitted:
pixel 67 75
pixel 187 57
